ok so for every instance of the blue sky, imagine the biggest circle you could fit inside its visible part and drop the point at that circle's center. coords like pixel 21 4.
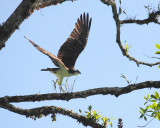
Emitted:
pixel 101 63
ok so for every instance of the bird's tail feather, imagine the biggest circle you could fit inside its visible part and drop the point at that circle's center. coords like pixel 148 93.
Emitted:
pixel 50 69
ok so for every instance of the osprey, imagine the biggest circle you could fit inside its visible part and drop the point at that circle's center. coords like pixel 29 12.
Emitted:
pixel 70 50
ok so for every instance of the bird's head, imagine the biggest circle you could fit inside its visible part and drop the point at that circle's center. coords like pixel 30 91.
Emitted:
pixel 77 72
pixel 74 72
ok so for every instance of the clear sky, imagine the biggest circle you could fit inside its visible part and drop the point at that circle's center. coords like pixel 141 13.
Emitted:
pixel 101 63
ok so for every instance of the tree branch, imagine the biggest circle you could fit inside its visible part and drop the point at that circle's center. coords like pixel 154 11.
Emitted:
pixel 45 3
pixel 22 12
pixel 116 91
pixel 152 18
pixel 13 22
pixel 46 110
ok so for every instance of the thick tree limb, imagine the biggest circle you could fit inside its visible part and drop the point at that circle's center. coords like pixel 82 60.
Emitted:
pixel 13 22
pixel 44 3
pixel 116 91
pixel 22 12
pixel 151 18
pixel 46 110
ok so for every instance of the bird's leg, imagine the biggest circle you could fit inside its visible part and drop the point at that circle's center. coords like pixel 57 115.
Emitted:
pixel 66 86
pixel 60 85
pixel 61 89
pixel 54 84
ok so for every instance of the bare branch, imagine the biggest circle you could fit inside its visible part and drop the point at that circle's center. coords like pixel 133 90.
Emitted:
pixel 46 110
pixel 118 40
pixel 116 91
pixel 45 3
pixel 151 57
pixel 108 2
pixel 22 12
pixel 13 22
pixel 151 18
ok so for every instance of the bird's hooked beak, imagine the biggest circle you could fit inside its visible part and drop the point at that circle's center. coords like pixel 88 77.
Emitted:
pixel 78 72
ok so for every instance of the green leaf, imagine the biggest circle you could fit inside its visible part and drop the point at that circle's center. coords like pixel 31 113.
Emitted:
pixel 124 12
pixel 158 46
pixel 145 118
pixel 99 116
pixel 104 119
pixel 158 116
pixel 147 108
pixel 149 111
pixel 153 114
pixel 152 100
pixel 159 66
pixel 145 103
pixel 142 109
pixel 113 118
pixel 110 123
pixel 88 116
pixel 158 106
pixel 141 112
pixel 157 52
pixel 153 106
pixel 87 112
pixel 97 112
pixel 157 17
pixel 94 112
pixel 141 116
pixel 147 96
pixel 89 107
pixel 120 10
pixel 153 97
pixel 157 95
pixel 80 111
pixel 127 47
pixel 58 82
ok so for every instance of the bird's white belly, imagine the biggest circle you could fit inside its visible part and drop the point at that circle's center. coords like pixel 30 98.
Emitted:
pixel 61 73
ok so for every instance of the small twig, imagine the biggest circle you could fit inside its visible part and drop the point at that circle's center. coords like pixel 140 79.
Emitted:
pixel 66 86
pixel 72 86
pixel 61 89
pixel 151 57
pixel 123 76
pixel 147 123
pixel 136 80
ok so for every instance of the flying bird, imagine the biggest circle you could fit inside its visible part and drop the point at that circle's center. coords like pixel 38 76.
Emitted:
pixel 70 50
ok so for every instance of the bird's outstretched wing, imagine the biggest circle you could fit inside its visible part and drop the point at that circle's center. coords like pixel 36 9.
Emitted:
pixel 54 59
pixel 74 45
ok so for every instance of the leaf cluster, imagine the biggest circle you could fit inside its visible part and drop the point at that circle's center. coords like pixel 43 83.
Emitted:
pixel 127 47
pixel 94 115
pixel 153 107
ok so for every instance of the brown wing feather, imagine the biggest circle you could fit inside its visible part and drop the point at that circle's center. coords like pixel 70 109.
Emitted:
pixel 74 45
pixel 54 59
